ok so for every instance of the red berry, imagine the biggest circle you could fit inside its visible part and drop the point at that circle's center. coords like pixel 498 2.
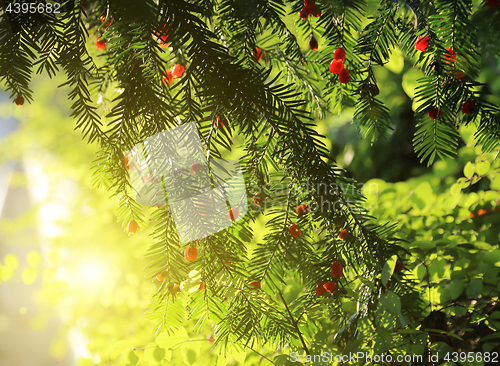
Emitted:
pixel 337 269
pixel 190 253
pixel 133 226
pixel 258 199
pixel 293 231
pixel 434 113
pixel 388 284
pixel 422 43
pixel 126 162
pixel 330 286
pixel 257 54
pixel 339 54
pixel 303 14
pixel 399 266
pixel 160 277
pixel 149 177
pixel 100 44
pixel 254 285
pixel 313 43
pixel 19 100
pixel 458 74
pixel 195 168
pixel 162 35
pixel 344 76
pixel 320 290
pixel 466 107
pixel 233 213
pixel 177 71
pixel 481 212
pixel 374 91
pixel 342 234
pixel 301 209
pixel 450 55
pixel 103 19
pixel 493 3
pixel 168 78
pixel 202 286
pixel 336 66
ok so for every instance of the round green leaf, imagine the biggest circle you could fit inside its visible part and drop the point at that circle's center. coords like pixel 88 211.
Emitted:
pixel 455 189
pixel 131 358
pixel 393 304
pixel 29 275
pixel 469 169
pixel 33 258
pixel 456 288
pixel 475 287
pixel 172 338
pixel 492 257
pixel 153 354
pixel 119 348
pixel 396 61
pixel 417 349
pixel 483 167
pixel 11 261
pixel 388 269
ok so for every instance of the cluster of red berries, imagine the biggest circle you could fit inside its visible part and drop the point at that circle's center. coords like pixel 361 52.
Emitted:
pixel 310 7
pixel 103 20
pixel 482 212
pixel 162 35
pixel 337 65
pixel 175 73
pixel 101 43
pixel 368 88
pixel 258 199
pixel 176 288
pixel 466 109
pixel 301 209
pixel 190 253
pixel 337 270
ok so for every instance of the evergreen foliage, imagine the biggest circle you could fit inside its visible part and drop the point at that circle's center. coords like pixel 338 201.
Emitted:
pixel 270 104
